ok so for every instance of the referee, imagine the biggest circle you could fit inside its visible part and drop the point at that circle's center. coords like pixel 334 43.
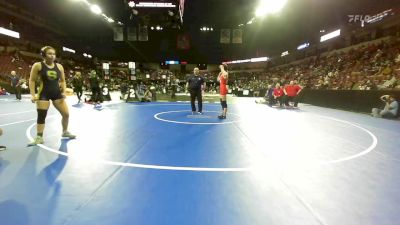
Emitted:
pixel 195 85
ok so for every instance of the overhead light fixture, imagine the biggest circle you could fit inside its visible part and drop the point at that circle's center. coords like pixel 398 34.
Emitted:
pixel 9 32
pixel 285 53
pixel 131 4
pixel 303 46
pixel 269 6
pixel 95 9
pixel 171 62
pixel 85 1
pixel 84 54
pixel 152 28
pixel 331 35
pixel 65 49
pixel 238 61
pixel 260 59
pixel 261 11
pixel 110 20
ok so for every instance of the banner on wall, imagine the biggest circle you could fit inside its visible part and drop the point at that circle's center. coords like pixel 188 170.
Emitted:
pixel 225 36
pixel 237 36
pixel 118 33
pixel 143 33
pixel 132 34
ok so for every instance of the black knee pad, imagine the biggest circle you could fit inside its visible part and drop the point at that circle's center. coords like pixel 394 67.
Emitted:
pixel 224 105
pixel 42 113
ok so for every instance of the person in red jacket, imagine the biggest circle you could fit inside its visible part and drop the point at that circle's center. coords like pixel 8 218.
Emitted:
pixel 292 91
pixel 278 94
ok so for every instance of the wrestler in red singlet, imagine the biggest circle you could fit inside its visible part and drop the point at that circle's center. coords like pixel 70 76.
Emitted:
pixel 223 89
pixel 222 86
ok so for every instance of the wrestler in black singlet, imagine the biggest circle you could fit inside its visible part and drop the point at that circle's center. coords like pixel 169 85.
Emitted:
pixel 49 88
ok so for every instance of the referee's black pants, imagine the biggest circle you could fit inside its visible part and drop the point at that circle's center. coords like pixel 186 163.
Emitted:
pixel 17 91
pixel 193 95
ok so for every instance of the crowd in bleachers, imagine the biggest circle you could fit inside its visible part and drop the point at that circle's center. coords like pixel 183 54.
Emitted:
pixel 372 66
pixel 368 67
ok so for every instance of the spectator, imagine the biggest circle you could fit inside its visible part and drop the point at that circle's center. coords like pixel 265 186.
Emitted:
pixel 153 93
pixel 291 93
pixel 278 94
pixel 390 110
pixel 148 95
pixel 3 91
pixel 15 84
pixel 124 90
pixel 269 95
pixel 77 83
pixel 96 90
pixel 390 81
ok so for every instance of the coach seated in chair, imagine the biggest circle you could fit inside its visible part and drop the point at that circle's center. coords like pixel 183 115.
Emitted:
pixel 124 90
pixel 390 110
pixel 147 97
pixel 268 98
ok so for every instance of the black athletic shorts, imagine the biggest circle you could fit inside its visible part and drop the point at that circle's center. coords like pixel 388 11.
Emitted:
pixel 46 95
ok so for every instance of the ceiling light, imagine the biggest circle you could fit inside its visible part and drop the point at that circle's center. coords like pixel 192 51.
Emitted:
pixel 9 32
pixel 95 9
pixel 269 6
pixel 131 4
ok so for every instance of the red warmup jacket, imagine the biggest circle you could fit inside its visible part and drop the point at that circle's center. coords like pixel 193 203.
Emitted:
pixel 278 92
pixel 292 90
